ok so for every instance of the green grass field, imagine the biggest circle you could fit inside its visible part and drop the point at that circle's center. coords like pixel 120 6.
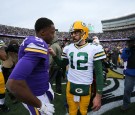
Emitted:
pixel 117 111
pixel 59 101
pixel 15 109
pixel 18 109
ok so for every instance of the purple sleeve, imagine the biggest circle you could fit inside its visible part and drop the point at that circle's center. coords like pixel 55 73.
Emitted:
pixel 25 66
pixel 37 54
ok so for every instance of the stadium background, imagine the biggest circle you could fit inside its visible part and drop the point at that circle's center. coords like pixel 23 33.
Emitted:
pixel 115 33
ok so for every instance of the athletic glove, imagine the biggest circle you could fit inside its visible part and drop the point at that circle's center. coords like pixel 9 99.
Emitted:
pixel 47 109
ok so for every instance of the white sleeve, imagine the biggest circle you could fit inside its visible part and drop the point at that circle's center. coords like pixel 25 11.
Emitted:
pixel 99 53
pixel 64 53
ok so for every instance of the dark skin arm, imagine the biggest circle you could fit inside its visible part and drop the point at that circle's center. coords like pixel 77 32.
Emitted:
pixel 60 62
pixel 20 89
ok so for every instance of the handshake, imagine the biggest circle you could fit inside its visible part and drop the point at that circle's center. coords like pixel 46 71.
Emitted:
pixel 46 109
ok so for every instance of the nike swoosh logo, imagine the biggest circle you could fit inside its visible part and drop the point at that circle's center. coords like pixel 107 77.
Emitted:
pixel 41 45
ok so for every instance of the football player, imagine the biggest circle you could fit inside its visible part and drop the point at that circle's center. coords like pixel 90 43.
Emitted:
pixel 29 81
pixel 82 58
pixel 128 56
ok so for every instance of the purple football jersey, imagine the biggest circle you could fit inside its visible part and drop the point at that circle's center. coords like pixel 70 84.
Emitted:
pixel 33 65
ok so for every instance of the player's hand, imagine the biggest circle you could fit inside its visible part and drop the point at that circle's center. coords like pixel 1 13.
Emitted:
pixel 51 51
pixel 97 102
pixel 47 109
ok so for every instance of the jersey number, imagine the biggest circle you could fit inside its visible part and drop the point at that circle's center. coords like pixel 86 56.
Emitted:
pixel 79 62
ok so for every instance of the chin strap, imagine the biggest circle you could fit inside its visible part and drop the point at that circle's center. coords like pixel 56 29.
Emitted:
pixel 76 43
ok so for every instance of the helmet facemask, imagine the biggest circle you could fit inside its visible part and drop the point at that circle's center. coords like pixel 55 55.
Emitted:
pixel 81 35
pixel 80 26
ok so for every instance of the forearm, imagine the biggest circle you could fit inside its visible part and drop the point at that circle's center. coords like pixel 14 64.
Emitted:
pixel 20 89
pixel 61 62
pixel 99 76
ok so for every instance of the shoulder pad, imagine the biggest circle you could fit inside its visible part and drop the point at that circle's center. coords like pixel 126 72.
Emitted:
pixel 36 41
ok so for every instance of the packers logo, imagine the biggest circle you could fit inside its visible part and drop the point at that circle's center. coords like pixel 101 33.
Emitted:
pixel 79 90
pixel 83 24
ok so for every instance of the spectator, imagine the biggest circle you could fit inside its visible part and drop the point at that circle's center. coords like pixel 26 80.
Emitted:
pixel 3 57
pixel 128 55
pixel 55 70
pixel 82 57
pixel 10 62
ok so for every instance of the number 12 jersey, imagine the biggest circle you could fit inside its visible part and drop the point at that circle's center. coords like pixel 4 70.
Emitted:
pixel 81 61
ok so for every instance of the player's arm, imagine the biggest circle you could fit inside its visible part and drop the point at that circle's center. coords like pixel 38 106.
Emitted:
pixel 99 85
pixel 99 76
pixel 20 89
pixel 98 56
pixel 62 62
pixel 17 84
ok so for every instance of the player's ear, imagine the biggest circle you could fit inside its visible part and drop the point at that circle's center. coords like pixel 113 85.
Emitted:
pixel 42 32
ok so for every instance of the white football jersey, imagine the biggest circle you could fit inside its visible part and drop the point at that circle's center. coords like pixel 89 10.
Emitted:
pixel 81 61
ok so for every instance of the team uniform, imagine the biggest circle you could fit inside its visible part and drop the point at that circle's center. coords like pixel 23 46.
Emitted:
pixel 33 67
pixel 80 74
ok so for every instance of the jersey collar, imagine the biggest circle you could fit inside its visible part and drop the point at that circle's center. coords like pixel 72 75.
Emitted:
pixel 79 47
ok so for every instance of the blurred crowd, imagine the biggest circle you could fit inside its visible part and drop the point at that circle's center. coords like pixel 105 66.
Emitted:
pixel 64 37
pixel 114 34
pixel 15 30
pixel 113 50
pixel 120 34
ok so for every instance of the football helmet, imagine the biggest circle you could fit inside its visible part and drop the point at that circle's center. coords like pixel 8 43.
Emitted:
pixel 79 25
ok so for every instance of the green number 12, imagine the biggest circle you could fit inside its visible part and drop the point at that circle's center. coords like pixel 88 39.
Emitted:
pixel 79 62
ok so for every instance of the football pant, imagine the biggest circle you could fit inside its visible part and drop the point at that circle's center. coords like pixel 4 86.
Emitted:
pixel 74 106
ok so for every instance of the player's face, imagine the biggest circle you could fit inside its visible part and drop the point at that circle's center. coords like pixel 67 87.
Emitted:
pixel 49 34
pixel 76 35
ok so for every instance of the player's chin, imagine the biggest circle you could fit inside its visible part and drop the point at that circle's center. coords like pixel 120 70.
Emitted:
pixel 75 41
pixel 49 41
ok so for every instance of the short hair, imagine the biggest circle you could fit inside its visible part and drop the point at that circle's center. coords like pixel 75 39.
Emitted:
pixel 42 23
